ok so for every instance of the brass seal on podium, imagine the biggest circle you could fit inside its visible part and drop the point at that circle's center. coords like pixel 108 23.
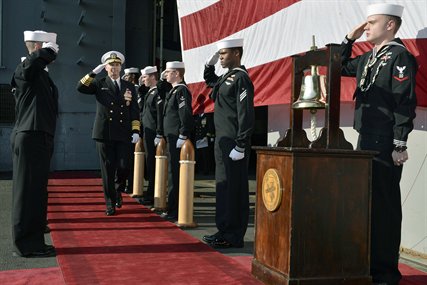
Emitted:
pixel 271 190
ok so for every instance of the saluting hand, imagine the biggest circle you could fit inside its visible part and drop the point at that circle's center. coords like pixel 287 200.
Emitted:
pixel 50 45
pixel 128 96
pixel 357 32
pixel 213 59
pixel 99 68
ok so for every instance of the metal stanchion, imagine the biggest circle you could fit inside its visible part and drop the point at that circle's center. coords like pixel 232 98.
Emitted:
pixel 138 170
pixel 186 186
pixel 161 177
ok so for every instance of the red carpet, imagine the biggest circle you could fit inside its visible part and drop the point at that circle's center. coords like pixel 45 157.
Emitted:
pixel 133 247
pixel 37 276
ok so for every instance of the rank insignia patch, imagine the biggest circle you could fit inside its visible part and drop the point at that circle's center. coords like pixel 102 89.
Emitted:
pixel 401 76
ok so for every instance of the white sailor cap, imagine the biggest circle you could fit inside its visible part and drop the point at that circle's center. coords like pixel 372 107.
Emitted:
pixel 148 70
pixel 384 9
pixel 113 56
pixel 131 70
pixel 174 65
pixel 231 43
pixel 39 36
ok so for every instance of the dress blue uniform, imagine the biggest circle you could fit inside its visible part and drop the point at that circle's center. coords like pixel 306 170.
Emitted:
pixel 114 124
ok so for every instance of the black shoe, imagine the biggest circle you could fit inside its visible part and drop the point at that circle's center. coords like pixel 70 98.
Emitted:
pixel 46 230
pixel 47 251
pixel 110 211
pixel 146 202
pixel 119 200
pixel 222 243
pixel 170 218
pixel 211 238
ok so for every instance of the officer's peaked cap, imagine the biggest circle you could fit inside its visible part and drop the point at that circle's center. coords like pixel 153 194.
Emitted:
pixel 113 56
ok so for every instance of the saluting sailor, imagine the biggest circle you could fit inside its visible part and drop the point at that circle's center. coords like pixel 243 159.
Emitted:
pixel 177 127
pixel 131 75
pixel 116 124
pixel 384 113
pixel 151 122
pixel 233 94
pixel 32 139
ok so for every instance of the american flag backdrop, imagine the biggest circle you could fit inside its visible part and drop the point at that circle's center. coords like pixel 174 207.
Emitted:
pixel 274 30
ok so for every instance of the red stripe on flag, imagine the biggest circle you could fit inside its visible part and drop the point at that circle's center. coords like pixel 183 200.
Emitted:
pixel 272 81
pixel 225 18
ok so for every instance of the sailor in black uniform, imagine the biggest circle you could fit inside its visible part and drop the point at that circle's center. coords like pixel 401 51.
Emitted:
pixel 32 139
pixel 116 124
pixel 177 127
pixel 151 125
pixel 233 94
pixel 384 113
pixel 203 135
pixel 131 75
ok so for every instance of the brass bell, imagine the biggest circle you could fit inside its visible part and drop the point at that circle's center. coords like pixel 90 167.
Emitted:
pixel 310 95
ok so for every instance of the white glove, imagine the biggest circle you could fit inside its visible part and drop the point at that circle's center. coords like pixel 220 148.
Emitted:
pixel 213 59
pixel 52 46
pixel 180 141
pixel 99 68
pixel 135 138
pixel 157 140
pixel 163 75
pixel 236 155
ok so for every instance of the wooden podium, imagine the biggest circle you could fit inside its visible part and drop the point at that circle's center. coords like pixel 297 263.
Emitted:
pixel 312 221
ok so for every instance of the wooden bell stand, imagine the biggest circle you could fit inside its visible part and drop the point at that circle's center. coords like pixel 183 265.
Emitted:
pixel 312 221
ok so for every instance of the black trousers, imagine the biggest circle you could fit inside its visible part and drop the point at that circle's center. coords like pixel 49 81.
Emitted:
pixel 386 210
pixel 32 152
pixel 232 192
pixel 131 168
pixel 150 161
pixel 203 160
pixel 173 175
pixel 114 162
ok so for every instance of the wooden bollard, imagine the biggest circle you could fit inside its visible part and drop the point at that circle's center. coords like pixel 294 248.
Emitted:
pixel 161 176
pixel 186 186
pixel 138 169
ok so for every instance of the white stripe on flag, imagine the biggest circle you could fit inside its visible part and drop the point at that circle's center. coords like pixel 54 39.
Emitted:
pixel 290 31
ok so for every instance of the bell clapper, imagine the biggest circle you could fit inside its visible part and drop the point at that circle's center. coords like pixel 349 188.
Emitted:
pixel 313 123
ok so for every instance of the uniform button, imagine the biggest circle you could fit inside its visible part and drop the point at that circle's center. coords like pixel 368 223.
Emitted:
pixel 111 119
pixel 121 121
pixel 112 103
pixel 121 106
pixel 111 111
pixel 121 113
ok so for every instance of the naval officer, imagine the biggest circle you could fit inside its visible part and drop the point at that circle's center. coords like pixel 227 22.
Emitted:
pixel 116 126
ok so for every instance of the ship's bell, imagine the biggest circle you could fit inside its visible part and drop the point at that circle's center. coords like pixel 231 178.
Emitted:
pixel 310 95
